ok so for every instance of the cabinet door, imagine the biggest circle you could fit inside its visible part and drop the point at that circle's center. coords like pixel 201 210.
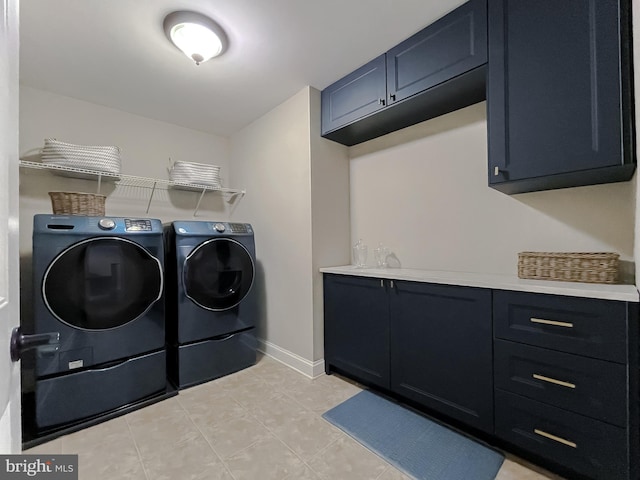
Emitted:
pixel 445 49
pixel 356 328
pixel 441 349
pixel 557 93
pixel 358 94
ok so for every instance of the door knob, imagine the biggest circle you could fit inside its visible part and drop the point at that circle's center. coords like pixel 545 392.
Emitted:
pixel 20 343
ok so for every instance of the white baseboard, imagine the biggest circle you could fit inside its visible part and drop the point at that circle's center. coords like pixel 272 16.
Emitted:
pixel 292 360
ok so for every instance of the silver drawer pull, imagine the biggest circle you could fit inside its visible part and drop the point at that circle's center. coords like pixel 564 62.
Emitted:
pixel 551 322
pixel 563 441
pixel 554 381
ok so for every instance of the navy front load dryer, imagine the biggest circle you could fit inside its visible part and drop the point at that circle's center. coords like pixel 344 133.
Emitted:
pixel 211 304
pixel 99 282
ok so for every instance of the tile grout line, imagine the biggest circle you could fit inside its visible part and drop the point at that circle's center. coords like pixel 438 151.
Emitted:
pixel 304 462
pixel 62 449
pixel 224 464
pixel 135 444
pixel 281 389
pixel 277 437
pixel 320 452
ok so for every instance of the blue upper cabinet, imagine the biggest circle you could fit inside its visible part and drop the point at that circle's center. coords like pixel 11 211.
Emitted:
pixel 436 71
pixel 559 94
pixel 358 94
pixel 452 46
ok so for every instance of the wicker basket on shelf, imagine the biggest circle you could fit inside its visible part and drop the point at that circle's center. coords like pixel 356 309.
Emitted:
pixel 589 267
pixel 76 203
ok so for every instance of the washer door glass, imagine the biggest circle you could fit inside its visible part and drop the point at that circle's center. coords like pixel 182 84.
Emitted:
pixel 102 283
pixel 218 274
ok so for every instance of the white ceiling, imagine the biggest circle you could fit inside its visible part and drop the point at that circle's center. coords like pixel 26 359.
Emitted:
pixel 115 53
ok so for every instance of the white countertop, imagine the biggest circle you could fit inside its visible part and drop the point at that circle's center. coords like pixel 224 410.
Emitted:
pixel 627 293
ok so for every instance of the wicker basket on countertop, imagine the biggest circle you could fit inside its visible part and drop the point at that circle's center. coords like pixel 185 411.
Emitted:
pixel 77 203
pixel 589 267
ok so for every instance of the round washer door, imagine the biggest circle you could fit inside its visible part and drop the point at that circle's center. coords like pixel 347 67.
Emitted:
pixel 218 274
pixel 102 283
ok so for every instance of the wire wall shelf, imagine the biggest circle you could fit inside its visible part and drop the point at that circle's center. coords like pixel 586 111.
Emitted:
pixel 152 184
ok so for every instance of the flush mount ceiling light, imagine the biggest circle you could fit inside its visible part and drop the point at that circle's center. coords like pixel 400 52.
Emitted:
pixel 199 37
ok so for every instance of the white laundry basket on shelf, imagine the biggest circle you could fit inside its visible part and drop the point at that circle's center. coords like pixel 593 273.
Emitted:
pixel 195 173
pixel 101 159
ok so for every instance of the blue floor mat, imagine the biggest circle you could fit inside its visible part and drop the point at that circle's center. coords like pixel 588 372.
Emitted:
pixel 414 444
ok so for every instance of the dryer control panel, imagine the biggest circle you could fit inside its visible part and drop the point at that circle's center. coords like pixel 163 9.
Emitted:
pixel 239 228
pixel 137 225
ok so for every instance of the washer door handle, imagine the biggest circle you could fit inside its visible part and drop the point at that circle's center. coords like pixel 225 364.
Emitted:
pixel 20 343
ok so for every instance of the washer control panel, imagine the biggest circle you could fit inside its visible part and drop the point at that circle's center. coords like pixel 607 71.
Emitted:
pixel 239 228
pixel 226 228
pixel 137 225
pixel 106 224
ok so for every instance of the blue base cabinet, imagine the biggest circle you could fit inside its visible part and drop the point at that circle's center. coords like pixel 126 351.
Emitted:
pixel 441 350
pixel 356 328
pixel 566 381
pixel 430 344
pixel 554 379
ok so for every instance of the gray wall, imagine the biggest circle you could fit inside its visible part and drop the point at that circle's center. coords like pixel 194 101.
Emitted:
pixel 299 206
pixel 423 192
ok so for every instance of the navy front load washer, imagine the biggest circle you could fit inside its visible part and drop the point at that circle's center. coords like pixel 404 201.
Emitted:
pixel 211 302
pixel 99 282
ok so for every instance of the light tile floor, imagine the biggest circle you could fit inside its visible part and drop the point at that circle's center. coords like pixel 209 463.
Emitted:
pixel 263 423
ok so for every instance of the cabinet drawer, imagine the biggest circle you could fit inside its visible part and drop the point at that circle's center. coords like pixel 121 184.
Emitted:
pixel 584 326
pixel 590 447
pixel 583 385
